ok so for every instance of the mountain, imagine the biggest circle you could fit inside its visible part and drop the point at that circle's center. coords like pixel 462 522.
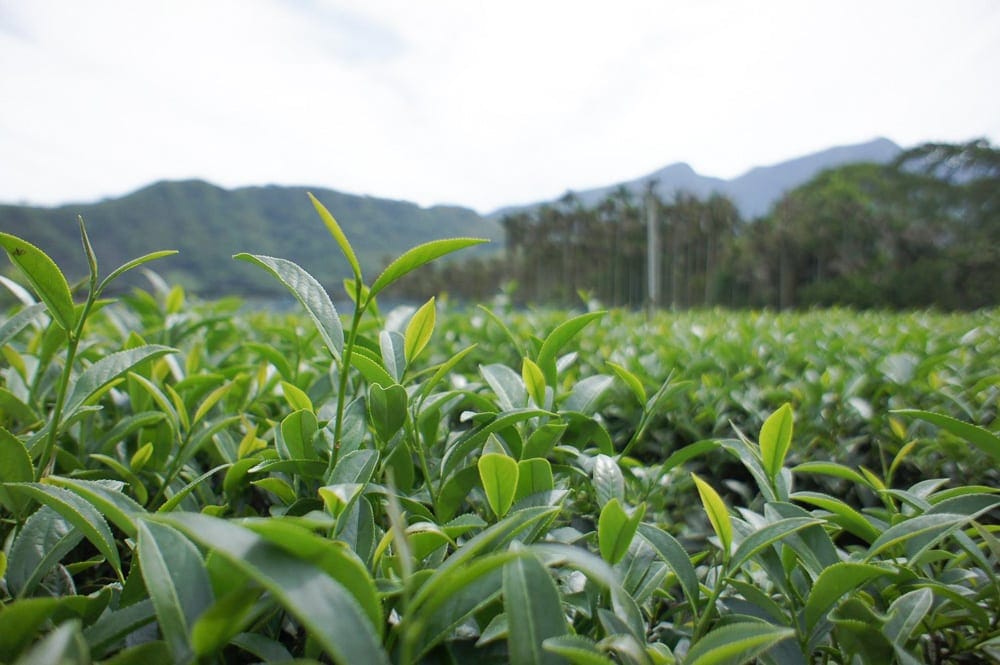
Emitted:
pixel 755 191
pixel 209 224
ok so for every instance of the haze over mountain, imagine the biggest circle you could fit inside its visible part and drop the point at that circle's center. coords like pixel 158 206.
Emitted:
pixel 755 191
pixel 208 224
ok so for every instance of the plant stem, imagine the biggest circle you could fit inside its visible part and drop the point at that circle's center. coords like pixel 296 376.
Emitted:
pixel 345 365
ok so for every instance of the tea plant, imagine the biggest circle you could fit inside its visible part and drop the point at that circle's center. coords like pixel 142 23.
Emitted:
pixel 188 482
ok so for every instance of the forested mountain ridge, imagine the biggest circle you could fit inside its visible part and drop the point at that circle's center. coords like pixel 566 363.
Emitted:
pixel 754 192
pixel 208 224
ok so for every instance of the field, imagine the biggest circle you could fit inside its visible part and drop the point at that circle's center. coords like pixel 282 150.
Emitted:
pixel 188 481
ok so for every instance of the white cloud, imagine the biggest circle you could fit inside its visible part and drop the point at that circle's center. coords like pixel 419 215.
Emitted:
pixel 477 103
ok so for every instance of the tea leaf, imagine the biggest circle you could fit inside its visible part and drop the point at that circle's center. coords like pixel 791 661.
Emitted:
pixel 79 513
pixel 338 235
pixel 534 611
pixel 632 381
pixel 387 409
pixel 533 476
pixel 106 370
pixel 419 330
pixel 982 438
pixel 134 263
pixel 534 382
pixel 718 515
pixel 833 583
pixel 309 293
pixel 321 604
pixel 418 256
pixel 15 467
pixel 736 643
pixel 775 439
pixel 45 278
pixel 615 530
pixel 178 584
pixel 499 475
pixel 557 339
pixel 673 554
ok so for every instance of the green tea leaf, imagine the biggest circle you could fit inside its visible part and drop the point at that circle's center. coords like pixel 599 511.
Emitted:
pixel 833 583
pixel 768 535
pixel 338 235
pixel 533 476
pixel 45 278
pixel 297 431
pixel 577 650
pixel 673 554
pixel 632 381
pixel 609 483
pixel 419 330
pixel 65 644
pixel 15 467
pixel 557 339
pixel 223 620
pixel 507 386
pixel 387 409
pixel 296 397
pixel 106 497
pixel 736 643
pixel 310 294
pixel 534 610
pixel 980 437
pixel 44 539
pixel 775 439
pixel 79 513
pixel 418 256
pixel 321 604
pixel 177 581
pixel 534 381
pixel 843 515
pixel 499 475
pixel 718 515
pixel 615 530
pixel 134 263
pixel 15 324
pixel 106 370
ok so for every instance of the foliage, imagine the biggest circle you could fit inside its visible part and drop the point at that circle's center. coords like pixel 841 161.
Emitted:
pixel 188 482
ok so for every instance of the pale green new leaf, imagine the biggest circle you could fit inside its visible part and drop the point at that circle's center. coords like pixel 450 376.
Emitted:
pixel 615 530
pixel 134 263
pixel 775 439
pixel 557 339
pixel 419 330
pixel 338 235
pixel 718 515
pixel 499 475
pixel 418 256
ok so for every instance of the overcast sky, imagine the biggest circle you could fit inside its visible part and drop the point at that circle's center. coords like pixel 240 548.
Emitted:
pixel 481 104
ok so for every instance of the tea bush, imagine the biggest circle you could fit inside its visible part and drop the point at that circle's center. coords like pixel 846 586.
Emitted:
pixel 191 482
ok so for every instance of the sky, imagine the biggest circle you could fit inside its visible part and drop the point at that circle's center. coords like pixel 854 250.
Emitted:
pixel 481 104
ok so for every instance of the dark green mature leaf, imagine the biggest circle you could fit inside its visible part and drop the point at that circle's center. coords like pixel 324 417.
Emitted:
pixel 609 483
pixel 577 649
pixel 15 467
pixel 587 393
pixel 322 605
pixel 673 554
pixel 507 385
pixel 736 643
pixel 19 322
pixel 338 235
pixel 63 645
pixel 45 278
pixel 775 439
pixel 418 256
pixel 113 626
pixel 768 535
pixel 20 621
pixel 106 370
pixel 310 294
pixel 387 409
pixel 842 514
pixel 980 437
pixel 105 496
pixel 79 513
pixel 534 611
pixel 833 583
pixel 177 581
pixel 41 543
pixel 938 524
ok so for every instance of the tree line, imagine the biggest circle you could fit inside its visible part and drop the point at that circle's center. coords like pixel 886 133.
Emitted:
pixel 922 231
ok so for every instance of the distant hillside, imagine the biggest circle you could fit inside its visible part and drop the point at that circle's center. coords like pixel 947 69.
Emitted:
pixel 209 224
pixel 753 192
